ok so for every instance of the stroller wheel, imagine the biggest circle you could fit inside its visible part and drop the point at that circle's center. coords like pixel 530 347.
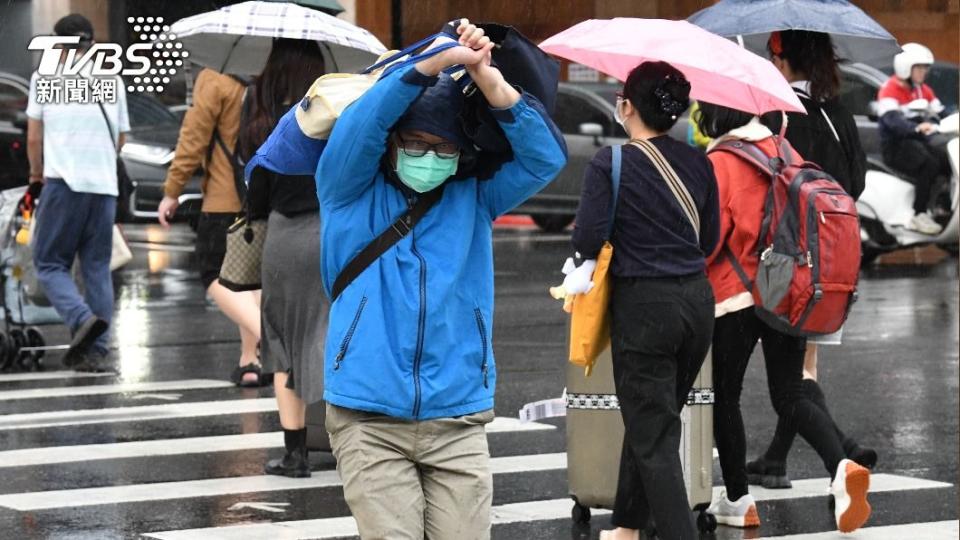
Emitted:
pixel 18 339
pixel 35 339
pixel 6 353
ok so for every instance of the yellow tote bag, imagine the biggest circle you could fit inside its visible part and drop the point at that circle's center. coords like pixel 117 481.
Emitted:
pixel 590 314
pixel 590 318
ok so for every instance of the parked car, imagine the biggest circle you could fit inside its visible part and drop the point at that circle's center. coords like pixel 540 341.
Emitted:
pixel 584 114
pixel 14 166
pixel 147 154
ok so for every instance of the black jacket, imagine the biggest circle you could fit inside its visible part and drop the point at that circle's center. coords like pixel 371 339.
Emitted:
pixel 811 136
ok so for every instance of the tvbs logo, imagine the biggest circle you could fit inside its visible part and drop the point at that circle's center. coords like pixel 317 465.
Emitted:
pixel 107 58
pixel 150 63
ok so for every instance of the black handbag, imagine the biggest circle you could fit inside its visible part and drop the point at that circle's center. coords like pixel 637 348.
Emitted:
pixel 523 65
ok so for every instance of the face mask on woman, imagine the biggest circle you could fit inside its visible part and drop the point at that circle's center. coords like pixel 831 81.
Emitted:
pixel 425 172
pixel 618 116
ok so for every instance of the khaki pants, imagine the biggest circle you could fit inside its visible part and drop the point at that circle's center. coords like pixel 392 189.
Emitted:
pixel 410 480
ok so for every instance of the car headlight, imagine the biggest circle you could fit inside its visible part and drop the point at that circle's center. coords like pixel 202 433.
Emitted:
pixel 147 153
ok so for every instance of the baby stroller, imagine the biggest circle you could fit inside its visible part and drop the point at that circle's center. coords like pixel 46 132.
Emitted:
pixel 22 345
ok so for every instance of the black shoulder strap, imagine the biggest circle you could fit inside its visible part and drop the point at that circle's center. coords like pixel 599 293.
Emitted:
pixel 113 139
pixel 741 273
pixel 234 165
pixel 400 228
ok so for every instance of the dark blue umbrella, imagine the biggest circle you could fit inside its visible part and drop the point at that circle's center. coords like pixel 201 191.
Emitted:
pixel 856 36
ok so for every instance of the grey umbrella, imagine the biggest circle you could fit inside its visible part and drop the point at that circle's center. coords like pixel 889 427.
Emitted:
pixel 856 36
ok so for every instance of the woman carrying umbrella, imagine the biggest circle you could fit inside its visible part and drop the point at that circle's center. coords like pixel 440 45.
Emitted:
pixel 294 310
pixel 743 192
pixel 827 135
pixel 661 303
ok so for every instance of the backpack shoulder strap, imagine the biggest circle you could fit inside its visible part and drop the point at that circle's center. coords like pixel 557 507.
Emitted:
pixel 750 153
pixel 235 165
pixel 393 234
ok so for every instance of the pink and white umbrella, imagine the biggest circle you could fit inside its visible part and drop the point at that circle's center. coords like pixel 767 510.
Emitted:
pixel 719 71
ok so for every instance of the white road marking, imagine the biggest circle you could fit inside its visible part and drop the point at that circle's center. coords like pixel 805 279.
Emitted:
pixel 817 487
pixel 322 529
pixel 194 445
pixel 70 498
pixel 938 530
pixel 275 507
pixel 50 375
pixel 162 397
pixel 162 447
pixel 138 413
pixel 121 388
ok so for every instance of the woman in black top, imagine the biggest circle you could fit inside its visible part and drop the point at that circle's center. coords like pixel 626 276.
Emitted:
pixel 293 307
pixel 827 135
pixel 661 302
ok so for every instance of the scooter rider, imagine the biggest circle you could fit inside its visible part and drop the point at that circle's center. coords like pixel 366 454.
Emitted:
pixel 908 111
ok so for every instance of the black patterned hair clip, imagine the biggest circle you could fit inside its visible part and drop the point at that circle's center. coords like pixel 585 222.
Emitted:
pixel 668 103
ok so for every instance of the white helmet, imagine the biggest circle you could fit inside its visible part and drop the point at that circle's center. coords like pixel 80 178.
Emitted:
pixel 912 55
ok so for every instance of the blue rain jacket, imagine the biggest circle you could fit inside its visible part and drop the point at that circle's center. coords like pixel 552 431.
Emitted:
pixel 410 337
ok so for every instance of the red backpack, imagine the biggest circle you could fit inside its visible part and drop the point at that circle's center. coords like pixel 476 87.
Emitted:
pixel 809 244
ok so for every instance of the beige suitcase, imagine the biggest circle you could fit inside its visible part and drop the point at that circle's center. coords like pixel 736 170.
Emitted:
pixel 595 437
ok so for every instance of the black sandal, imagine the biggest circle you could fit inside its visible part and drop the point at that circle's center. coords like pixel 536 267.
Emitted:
pixel 238 372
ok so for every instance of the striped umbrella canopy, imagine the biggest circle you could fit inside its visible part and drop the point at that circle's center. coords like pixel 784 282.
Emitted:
pixel 237 39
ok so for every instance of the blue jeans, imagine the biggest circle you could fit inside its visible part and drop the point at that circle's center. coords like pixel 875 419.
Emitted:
pixel 71 225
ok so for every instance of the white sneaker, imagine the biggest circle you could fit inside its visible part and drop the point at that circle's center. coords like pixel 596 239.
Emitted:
pixel 849 488
pixel 923 223
pixel 742 513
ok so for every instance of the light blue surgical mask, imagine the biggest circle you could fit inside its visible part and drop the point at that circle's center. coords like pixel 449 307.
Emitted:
pixel 426 172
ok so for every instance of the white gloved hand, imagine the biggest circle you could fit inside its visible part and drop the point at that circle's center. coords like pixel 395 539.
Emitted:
pixel 579 279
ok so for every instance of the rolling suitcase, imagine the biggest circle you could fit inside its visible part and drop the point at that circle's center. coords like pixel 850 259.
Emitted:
pixel 595 435
pixel 317 438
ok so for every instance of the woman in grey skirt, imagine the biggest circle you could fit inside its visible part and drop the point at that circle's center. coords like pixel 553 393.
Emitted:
pixel 293 305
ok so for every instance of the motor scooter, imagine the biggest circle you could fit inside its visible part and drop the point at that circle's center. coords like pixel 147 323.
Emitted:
pixel 886 204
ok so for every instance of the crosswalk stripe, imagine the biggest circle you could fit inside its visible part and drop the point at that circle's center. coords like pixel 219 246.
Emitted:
pixel 194 445
pixel 121 388
pixel 139 413
pixel 322 529
pixel 817 487
pixel 69 498
pixel 50 375
pixel 937 530
pixel 161 447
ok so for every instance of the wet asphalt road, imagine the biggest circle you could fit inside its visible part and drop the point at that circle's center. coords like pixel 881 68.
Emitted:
pixel 893 385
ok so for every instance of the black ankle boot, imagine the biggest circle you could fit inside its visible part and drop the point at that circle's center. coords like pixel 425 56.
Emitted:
pixel 862 456
pixel 295 462
pixel 768 473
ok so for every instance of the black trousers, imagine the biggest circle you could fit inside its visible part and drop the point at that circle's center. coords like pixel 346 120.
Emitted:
pixel 923 164
pixel 661 330
pixel 734 338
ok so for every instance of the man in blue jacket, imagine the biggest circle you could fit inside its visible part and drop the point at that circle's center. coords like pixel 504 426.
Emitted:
pixel 409 372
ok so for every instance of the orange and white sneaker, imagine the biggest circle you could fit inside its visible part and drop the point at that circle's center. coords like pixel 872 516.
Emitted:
pixel 742 513
pixel 849 488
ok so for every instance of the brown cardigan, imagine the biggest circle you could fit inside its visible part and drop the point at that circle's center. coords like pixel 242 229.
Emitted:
pixel 217 100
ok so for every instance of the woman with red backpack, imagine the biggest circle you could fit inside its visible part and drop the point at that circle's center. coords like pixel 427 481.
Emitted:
pixel 827 136
pixel 743 190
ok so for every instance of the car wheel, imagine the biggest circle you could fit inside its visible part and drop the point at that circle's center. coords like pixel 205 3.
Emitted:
pixel 552 222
